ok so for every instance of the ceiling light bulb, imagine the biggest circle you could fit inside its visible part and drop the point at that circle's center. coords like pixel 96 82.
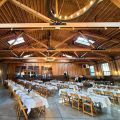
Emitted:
pixel 60 17
pixel 65 17
pixel 77 13
pixel 71 16
pixel 84 9
pixel 91 2
pixel 105 28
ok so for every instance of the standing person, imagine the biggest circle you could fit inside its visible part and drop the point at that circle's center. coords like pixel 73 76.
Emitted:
pixel 83 78
pixel 76 78
pixel 79 79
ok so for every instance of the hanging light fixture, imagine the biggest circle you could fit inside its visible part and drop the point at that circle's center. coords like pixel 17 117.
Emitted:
pixel 58 15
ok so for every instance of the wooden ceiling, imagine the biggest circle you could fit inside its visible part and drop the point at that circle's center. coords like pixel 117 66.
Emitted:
pixel 56 42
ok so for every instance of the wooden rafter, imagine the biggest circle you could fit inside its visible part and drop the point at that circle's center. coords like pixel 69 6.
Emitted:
pixel 38 42
pixel 67 25
pixel 98 36
pixel 67 39
pixel 3 2
pixel 116 2
pixel 55 54
pixel 59 58
pixel 42 54
pixel 63 49
pixel 14 54
pixel 76 54
pixel 31 11
pixel 56 7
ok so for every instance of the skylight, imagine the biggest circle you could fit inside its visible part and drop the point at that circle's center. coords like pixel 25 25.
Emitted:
pixel 68 56
pixel 84 41
pixel 16 41
pixel 25 56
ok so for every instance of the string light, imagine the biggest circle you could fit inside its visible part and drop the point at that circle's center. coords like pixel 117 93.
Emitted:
pixel 65 17
pixel 81 11
pixel 60 17
pixel 84 9
pixel 106 28
pixel 91 2
pixel 78 13
pixel 71 16
pixel 55 15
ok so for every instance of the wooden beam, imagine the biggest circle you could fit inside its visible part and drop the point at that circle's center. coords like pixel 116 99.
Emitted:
pixel 14 54
pixel 116 2
pixel 31 11
pixel 68 38
pixel 55 58
pixel 66 26
pixel 62 50
pixel 99 36
pixel 3 2
pixel 54 54
pixel 38 42
pixel 105 57
pixel 105 42
pixel 83 55
pixel 43 54
pixel 56 7
pixel 76 54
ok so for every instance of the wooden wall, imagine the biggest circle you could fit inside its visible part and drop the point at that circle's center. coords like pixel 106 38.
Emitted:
pixel 114 68
pixel 57 68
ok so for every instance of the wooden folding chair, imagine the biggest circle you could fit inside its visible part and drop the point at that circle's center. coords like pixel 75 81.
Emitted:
pixel 118 98
pixel 20 107
pixel 110 95
pixel 97 92
pixel 87 103
pixel 65 98
pixel 76 101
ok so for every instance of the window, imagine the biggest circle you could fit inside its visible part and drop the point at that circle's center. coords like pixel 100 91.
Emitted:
pixel 16 41
pixel 92 71
pixel 84 41
pixel 105 69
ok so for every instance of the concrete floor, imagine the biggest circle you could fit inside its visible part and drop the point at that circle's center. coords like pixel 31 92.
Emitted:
pixel 56 110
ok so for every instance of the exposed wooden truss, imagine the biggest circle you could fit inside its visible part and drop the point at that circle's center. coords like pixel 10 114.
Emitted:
pixel 68 38
pixel 2 2
pixel 36 43
pixel 62 49
pixel 116 2
pixel 31 11
pixel 67 25
pixel 56 58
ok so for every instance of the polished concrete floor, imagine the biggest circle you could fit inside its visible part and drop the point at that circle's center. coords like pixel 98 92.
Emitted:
pixel 56 110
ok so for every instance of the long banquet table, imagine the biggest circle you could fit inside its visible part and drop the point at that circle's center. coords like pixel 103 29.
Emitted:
pixel 104 100
pixel 29 100
pixel 91 90
pixel 49 87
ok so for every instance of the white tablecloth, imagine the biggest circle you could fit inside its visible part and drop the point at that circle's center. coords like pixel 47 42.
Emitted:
pixel 104 100
pixel 31 100
pixel 90 90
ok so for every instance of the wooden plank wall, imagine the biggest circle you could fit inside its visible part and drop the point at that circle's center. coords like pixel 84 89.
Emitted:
pixel 114 68
pixel 57 68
